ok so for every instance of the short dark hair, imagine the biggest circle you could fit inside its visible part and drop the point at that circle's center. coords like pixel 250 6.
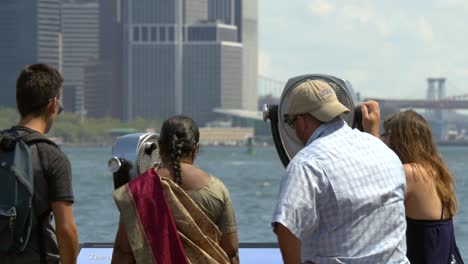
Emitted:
pixel 37 84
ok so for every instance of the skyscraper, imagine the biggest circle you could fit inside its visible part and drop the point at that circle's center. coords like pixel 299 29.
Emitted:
pixel 222 11
pixel 103 77
pixel 29 33
pixel 164 76
pixel 80 29
pixel 249 38
pixel 243 14
pixel 212 71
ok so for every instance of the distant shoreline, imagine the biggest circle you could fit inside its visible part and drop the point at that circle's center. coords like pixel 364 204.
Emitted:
pixel 94 145
pixel 453 143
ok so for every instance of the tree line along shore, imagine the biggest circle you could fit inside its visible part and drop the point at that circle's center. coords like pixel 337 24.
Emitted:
pixel 74 130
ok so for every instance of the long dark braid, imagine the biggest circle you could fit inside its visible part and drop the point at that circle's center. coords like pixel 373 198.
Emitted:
pixel 178 139
pixel 175 157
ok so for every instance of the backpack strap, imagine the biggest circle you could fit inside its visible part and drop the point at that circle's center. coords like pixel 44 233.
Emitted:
pixel 28 137
pixel 40 228
pixel 32 139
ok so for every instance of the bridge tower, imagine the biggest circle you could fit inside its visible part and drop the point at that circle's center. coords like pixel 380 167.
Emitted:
pixel 441 82
pixel 436 93
pixel 431 95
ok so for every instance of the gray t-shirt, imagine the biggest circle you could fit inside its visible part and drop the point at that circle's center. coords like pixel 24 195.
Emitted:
pixel 52 183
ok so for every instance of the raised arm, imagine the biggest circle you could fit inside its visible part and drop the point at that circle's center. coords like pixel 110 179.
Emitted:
pixel 371 117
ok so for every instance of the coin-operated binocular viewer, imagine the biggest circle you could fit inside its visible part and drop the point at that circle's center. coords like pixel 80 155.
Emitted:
pixel 132 155
pixel 286 142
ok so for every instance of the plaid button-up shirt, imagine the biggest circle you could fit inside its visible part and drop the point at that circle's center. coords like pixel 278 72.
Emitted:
pixel 342 196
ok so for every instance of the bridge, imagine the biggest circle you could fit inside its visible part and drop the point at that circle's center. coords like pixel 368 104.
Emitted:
pixel 438 107
pixel 445 103
pixel 270 89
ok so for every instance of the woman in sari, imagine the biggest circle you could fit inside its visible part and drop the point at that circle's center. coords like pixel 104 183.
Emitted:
pixel 430 201
pixel 200 225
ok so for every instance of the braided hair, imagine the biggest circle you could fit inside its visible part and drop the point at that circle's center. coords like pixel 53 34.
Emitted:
pixel 178 139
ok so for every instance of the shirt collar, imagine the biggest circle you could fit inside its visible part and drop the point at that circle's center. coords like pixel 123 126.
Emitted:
pixel 326 129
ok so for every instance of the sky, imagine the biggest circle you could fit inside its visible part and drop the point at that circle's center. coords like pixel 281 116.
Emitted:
pixel 384 48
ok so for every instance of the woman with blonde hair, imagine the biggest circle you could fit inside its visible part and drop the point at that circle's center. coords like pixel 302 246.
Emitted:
pixel 430 201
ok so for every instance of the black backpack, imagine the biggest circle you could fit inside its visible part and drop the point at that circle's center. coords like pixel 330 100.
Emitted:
pixel 16 189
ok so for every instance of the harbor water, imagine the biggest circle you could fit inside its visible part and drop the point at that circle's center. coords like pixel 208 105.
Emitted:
pixel 251 176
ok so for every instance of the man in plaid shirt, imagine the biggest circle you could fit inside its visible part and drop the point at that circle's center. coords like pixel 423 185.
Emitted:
pixel 341 199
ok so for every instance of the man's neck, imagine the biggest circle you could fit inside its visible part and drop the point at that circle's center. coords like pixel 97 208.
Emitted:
pixel 37 124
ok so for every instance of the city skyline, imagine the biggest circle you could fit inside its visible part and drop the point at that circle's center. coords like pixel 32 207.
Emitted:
pixel 188 59
pixel 285 55
pixel 210 63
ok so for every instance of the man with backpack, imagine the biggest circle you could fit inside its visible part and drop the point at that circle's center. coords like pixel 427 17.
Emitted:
pixel 35 177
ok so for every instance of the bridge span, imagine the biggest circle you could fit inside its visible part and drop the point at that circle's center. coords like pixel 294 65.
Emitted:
pixel 423 104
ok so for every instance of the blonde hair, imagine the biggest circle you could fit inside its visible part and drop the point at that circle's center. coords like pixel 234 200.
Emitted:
pixel 410 137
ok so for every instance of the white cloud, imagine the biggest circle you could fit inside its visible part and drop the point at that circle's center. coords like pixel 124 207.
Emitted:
pixel 357 76
pixel 356 15
pixel 425 30
pixel 321 8
pixel 362 14
pixel 264 63
pixel 384 26
pixel 454 3
pixel 461 72
pixel 390 52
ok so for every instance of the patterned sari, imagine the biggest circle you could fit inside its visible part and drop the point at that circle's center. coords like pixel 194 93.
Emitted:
pixel 164 225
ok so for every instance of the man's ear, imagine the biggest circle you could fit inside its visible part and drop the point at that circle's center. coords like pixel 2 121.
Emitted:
pixel 51 107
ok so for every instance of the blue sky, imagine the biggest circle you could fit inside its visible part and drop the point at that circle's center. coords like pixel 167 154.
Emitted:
pixel 385 48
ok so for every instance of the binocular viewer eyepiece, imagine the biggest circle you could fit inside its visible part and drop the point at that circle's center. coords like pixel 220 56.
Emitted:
pixel 132 155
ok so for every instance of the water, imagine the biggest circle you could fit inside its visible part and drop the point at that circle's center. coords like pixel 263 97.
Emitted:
pixel 252 179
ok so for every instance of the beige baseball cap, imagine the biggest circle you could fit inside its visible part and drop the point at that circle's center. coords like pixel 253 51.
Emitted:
pixel 316 97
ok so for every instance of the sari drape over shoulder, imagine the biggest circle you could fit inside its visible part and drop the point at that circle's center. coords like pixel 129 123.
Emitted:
pixel 164 225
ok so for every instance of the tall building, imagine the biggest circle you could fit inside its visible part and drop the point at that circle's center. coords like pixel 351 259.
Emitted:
pixel 29 33
pixel 103 77
pixel 243 14
pixel 249 38
pixel 97 89
pixel 80 29
pixel 149 58
pixel 164 76
pixel 212 71
pixel 222 11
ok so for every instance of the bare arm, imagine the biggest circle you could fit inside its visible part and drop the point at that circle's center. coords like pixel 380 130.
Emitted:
pixel 289 244
pixel 230 245
pixel 122 251
pixel 67 235
pixel 371 117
